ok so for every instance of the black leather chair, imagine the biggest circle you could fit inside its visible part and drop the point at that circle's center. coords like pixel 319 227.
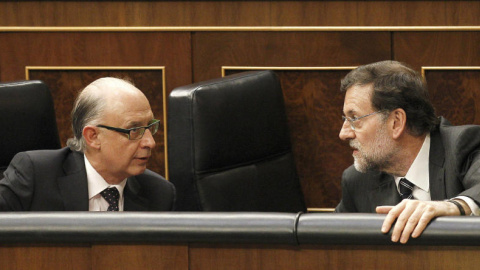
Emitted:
pixel 27 119
pixel 229 147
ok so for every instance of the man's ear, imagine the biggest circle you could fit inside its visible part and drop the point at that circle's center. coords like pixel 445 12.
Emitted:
pixel 398 118
pixel 90 134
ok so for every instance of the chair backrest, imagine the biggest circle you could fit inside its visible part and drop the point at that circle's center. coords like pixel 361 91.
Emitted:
pixel 27 119
pixel 229 146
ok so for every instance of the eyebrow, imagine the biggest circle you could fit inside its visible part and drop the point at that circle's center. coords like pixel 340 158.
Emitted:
pixel 351 111
pixel 135 124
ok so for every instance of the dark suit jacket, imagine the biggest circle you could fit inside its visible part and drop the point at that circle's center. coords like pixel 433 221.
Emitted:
pixel 56 180
pixel 454 169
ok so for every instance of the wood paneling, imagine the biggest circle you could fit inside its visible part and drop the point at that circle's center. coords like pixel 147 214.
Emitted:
pixel 248 257
pixel 45 257
pixel 245 257
pixel 419 49
pixel 456 94
pixel 136 257
pixel 94 257
pixel 332 257
pixel 169 49
pixel 212 50
pixel 239 13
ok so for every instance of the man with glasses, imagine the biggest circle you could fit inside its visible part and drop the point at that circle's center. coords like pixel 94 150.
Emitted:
pixel 104 166
pixel 408 163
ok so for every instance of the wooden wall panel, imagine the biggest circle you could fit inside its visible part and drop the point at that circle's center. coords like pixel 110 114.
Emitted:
pixel 212 50
pixel 169 49
pixel 139 257
pixel 313 99
pixel 242 256
pixel 456 94
pixel 239 13
pixel 332 257
pixel 45 257
pixel 457 48
pixel 76 50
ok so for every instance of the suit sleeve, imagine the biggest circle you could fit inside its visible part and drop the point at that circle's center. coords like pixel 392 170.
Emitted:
pixel 471 181
pixel 16 188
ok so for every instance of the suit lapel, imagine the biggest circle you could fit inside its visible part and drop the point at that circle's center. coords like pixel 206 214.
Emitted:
pixel 385 193
pixel 132 201
pixel 436 170
pixel 73 186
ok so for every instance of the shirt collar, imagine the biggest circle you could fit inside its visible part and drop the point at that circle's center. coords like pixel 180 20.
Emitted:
pixel 418 173
pixel 97 184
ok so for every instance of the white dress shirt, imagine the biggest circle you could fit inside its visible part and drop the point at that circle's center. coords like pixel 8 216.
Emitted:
pixel 420 177
pixel 97 184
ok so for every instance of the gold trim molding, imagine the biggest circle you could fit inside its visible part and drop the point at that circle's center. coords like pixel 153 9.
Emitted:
pixel 433 68
pixel 232 28
pixel 164 89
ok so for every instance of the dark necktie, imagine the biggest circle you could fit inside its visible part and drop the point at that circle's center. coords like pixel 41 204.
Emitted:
pixel 111 195
pixel 406 188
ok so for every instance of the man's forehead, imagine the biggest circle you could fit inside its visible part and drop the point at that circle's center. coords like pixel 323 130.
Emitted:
pixel 125 117
pixel 358 99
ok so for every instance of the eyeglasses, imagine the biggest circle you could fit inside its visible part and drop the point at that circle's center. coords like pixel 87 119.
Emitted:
pixel 136 133
pixel 351 120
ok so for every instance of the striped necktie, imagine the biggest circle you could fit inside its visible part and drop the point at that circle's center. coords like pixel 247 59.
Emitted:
pixel 406 188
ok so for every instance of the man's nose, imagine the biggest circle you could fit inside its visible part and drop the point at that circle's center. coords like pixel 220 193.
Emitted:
pixel 346 132
pixel 148 140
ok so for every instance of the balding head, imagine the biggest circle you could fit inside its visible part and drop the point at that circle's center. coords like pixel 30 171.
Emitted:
pixel 94 101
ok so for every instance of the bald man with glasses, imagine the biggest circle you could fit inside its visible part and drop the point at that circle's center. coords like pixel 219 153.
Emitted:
pixel 104 167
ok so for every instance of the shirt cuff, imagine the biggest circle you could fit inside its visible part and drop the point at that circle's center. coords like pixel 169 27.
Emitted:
pixel 471 203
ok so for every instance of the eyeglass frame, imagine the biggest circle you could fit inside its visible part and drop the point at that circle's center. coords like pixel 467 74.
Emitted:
pixel 351 120
pixel 127 131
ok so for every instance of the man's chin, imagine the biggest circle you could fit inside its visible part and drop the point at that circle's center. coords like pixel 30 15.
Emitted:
pixel 359 167
pixel 138 170
pixel 362 167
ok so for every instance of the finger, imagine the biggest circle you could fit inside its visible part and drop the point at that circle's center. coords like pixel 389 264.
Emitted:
pixel 403 218
pixel 412 223
pixel 383 209
pixel 427 216
pixel 391 216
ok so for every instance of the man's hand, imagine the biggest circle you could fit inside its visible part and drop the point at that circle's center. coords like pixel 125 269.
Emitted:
pixel 413 217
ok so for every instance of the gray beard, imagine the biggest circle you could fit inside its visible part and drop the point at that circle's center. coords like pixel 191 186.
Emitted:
pixel 379 158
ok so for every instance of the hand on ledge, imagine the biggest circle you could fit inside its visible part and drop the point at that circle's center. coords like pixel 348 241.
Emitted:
pixel 413 217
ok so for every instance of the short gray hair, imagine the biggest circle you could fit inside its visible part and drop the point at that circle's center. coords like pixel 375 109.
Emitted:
pixel 87 110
